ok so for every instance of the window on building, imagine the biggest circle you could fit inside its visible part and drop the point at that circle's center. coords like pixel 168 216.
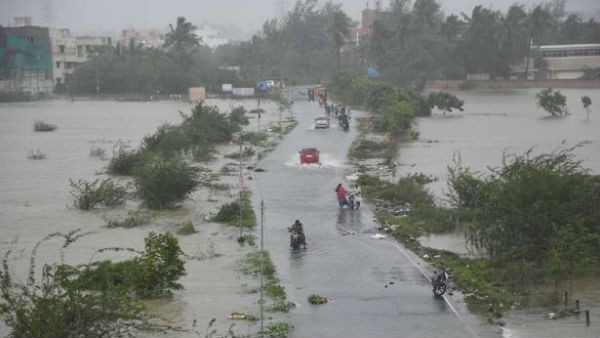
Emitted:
pixel 61 48
pixel 57 64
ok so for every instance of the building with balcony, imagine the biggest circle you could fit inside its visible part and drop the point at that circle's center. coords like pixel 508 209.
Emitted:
pixel 69 51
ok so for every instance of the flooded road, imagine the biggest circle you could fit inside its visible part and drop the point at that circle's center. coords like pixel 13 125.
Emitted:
pixel 377 290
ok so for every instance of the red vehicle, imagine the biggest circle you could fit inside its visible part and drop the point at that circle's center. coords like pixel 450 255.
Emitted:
pixel 309 155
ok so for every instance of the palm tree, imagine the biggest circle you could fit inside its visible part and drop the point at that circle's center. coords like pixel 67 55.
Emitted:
pixel 182 39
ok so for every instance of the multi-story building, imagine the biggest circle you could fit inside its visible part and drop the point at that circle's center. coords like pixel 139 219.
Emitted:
pixel 35 59
pixel 69 51
pixel 25 59
pixel 150 39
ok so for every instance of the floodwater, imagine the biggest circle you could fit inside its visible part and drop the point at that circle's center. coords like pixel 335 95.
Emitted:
pixel 508 121
pixel 378 288
pixel 497 122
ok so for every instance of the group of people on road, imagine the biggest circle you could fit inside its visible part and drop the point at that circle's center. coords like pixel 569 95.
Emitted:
pixel 344 197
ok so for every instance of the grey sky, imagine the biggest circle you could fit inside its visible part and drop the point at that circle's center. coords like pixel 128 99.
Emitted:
pixel 113 15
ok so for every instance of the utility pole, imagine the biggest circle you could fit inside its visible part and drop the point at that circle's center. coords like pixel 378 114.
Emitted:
pixel 262 214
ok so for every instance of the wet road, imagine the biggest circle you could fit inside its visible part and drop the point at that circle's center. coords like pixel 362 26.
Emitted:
pixel 378 290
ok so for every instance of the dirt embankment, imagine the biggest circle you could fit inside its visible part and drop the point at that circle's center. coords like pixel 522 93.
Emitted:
pixel 511 84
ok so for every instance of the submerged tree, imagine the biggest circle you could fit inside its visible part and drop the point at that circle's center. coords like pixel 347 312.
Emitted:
pixel 553 102
pixel 540 210
pixel 445 102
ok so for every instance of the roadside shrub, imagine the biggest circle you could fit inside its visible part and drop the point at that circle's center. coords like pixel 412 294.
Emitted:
pixel 40 125
pixel 63 302
pixel 88 195
pixel 229 213
pixel 164 182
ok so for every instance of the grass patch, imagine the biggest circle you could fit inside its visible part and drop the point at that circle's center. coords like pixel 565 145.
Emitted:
pixel 133 219
pixel 259 262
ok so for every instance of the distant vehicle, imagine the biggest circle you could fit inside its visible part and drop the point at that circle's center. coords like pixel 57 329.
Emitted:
pixel 309 155
pixel 322 122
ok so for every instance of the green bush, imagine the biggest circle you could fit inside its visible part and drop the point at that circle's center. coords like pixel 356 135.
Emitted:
pixel 89 195
pixel 66 301
pixel 125 162
pixel 229 213
pixel 163 182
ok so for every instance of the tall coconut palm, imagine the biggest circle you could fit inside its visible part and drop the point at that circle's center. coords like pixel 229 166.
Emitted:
pixel 181 40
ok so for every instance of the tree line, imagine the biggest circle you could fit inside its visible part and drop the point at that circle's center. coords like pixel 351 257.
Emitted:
pixel 411 43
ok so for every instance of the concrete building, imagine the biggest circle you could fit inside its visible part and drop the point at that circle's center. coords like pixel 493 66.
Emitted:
pixel 366 26
pixel 69 51
pixel 211 37
pixel 150 39
pixel 569 61
pixel 25 59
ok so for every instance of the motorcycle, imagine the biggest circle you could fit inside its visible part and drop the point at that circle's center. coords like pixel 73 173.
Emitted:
pixel 440 283
pixel 351 202
pixel 343 121
pixel 296 240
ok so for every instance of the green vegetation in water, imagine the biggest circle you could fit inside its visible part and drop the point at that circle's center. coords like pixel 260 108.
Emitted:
pixel 132 220
pixel 89 195
pixel 230 213
pixel 43 126
pixel 186 228
pixel 247 153
pixel 317 299
pixel 278 329
pixel 163 182
pixel 259 262
pixel 97 294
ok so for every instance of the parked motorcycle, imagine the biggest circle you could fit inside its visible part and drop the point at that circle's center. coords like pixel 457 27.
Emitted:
pixel 440 283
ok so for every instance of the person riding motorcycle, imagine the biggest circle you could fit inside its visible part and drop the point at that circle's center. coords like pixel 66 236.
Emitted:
pixel 356 192
pixel 297 228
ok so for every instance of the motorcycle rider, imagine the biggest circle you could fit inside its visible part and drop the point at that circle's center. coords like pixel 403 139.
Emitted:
pixel 297 228
pixel 357 193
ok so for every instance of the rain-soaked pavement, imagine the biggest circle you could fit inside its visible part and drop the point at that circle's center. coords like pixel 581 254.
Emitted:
pixel 378 289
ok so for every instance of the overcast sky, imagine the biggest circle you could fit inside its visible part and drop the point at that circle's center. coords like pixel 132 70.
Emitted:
pixel 114 15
